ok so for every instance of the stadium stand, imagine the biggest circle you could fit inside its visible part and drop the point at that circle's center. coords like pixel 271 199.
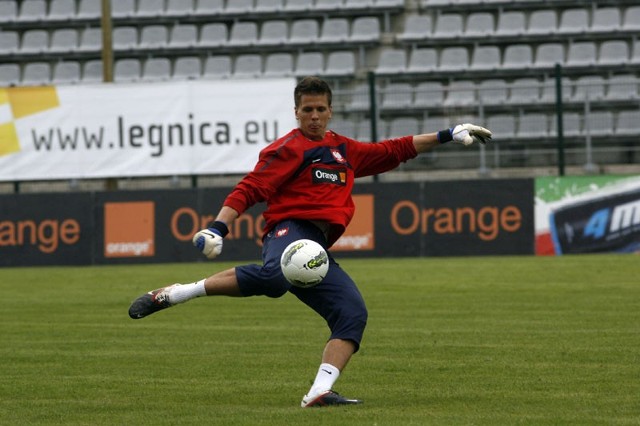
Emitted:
pixel 444 59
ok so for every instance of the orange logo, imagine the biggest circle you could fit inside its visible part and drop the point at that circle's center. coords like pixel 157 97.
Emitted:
pixel 129 229
pixel 359 235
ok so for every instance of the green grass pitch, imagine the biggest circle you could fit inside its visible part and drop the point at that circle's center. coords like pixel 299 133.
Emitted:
pixel 450 341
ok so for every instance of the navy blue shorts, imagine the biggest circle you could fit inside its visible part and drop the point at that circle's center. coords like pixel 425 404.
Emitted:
pixel 336 298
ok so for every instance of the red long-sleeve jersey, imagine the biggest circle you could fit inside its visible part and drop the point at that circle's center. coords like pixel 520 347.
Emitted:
pixel 300 178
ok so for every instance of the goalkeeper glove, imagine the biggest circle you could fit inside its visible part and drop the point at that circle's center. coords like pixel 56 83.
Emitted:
pixel 465 134
pixel 209 241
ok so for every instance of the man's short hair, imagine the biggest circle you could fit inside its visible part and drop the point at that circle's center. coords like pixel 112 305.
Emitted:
pixel 311 86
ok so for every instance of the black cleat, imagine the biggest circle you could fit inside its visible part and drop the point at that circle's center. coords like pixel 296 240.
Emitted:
pixel 150 302
pixel 328 398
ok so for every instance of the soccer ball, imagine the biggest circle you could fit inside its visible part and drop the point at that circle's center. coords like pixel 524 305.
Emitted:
pixel 304 263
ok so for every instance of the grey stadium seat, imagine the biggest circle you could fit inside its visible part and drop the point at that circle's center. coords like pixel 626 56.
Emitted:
pixel 34 41
pixel 239 6
pixel 309 63
pixel 533 125
pixel 397 96
pixel 628 123
pixel 606 19
pixel 511 23
pixel 89 9
pixel 590 86
pixel 217 66
pixel 503 126
pixel 574 21
pixel 36 73
pixel 62 10
pixel 243 34
pixel 156 69
pixel 422 60
pixel 460 93
pixel 274 32
pixel 213 34
pixel 64 40
pixel 524 90
pixel 279 64
pixel 493 91
pixel 448 25
pixel 9 42
pixel 600 123
pixel 485 58
pixel 125 38
pixel 9 74
pixel 183 36
pixel 8 11
pixel 581 54
pixel 248 65
pixel 340 63
pixel 334 30
pixel 517 56
pixel 208 7
pixel 631 19
pixel 32 10
pixel 304 31
pixel 92 71
pixel 403 126
pixel 186 67
pixel 150 8
pixel 613 52
pixel 179 8
pixel 269 6
pixel 392 61
pixel 90 40
pixel 153 37
pixel 123 8
pixel 479 24
pixel 365 29
pixel 571 125
pixel 542 22
pixel 428 94
pixel 454 58
pixel 66 72
pixel 417 27
pixel 622 87
pixel 127 70
pixel 548 54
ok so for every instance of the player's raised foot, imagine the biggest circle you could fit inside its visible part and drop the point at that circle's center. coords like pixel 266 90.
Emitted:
pixel 327 398
pixel 151 302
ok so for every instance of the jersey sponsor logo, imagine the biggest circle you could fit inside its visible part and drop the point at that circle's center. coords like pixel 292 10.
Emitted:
pixel 336 177
pixel 337 156
pixel 282 232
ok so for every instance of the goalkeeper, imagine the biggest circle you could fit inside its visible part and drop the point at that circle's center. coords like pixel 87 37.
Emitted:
pixel 306 178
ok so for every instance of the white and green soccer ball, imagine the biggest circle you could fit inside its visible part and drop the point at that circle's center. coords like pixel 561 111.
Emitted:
pixel 304 263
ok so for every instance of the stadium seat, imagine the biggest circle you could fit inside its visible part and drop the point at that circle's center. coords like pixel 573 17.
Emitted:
pixel 89 9
pixel 243 34
pixel 343 127
pixel 187 68
pixel 328 5
pixel 125 38
pixel 423 60
pixel 64 40
pixel 606 19
pixel 304 31
pixel 448 25
pixel 340 63
pixel 34 41
pixel 614 52
pixel 66 72
pixel 365 29
pixel 589 86
pixel 416 27
pixel 269 6
pixel 548 55
pixel 213 35
pixel 599 123
pixel 156 69
pixel 403 126
pixel 217 67
pixel 397 96
pixel 581 54
pixel 32 11
pixel 574 21
pixel 524 90
pixel 334 30
pixel 628 123
pixel 127 70
pixel 435 123
pixel 9 42
pixel 571 125
pixel 154 37
pixel 454 58
pixel 149 8
pixel 90 40
pixel 479 24
pixel 8 11
pixel 298 5
pixel 517 56
pixel 460 93
pixel 359 98
pixel 622 87
pixel 503 126
pixel 123 8
pixel 248 65
pixel 427 94
pixel 542 22
pixel 392 61
pixel 36 73
pixel 493 91
pixel 9 75
pixel 92 71
pixel 363 131
pixel 511 23
pixel 533 125
pixel 179 8
pixel 485 58
pixel 309 63
pixel 279 64
pixel 61 10
pixel 209 7
pixel 631 19
pixel 635 55
pixel 358 5
pixel 239 6
pixel 183 36
pixel 548 95
pixel 274 32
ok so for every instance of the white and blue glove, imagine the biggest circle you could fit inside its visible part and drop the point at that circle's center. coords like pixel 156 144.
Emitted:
pixel 465 134
pixel 209 240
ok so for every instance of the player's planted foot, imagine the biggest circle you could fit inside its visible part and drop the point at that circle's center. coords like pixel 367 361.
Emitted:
pixel 151 302
pixel 327 398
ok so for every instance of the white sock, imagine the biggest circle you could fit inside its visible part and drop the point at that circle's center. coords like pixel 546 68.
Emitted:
pixel 184 292
pixel 326 377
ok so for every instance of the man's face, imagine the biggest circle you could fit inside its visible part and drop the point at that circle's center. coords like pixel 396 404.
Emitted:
pixel 313 115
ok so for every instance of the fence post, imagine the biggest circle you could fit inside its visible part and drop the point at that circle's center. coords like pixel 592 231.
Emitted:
pixel 560 139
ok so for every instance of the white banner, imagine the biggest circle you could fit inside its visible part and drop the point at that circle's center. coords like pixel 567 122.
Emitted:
pixel 152 129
